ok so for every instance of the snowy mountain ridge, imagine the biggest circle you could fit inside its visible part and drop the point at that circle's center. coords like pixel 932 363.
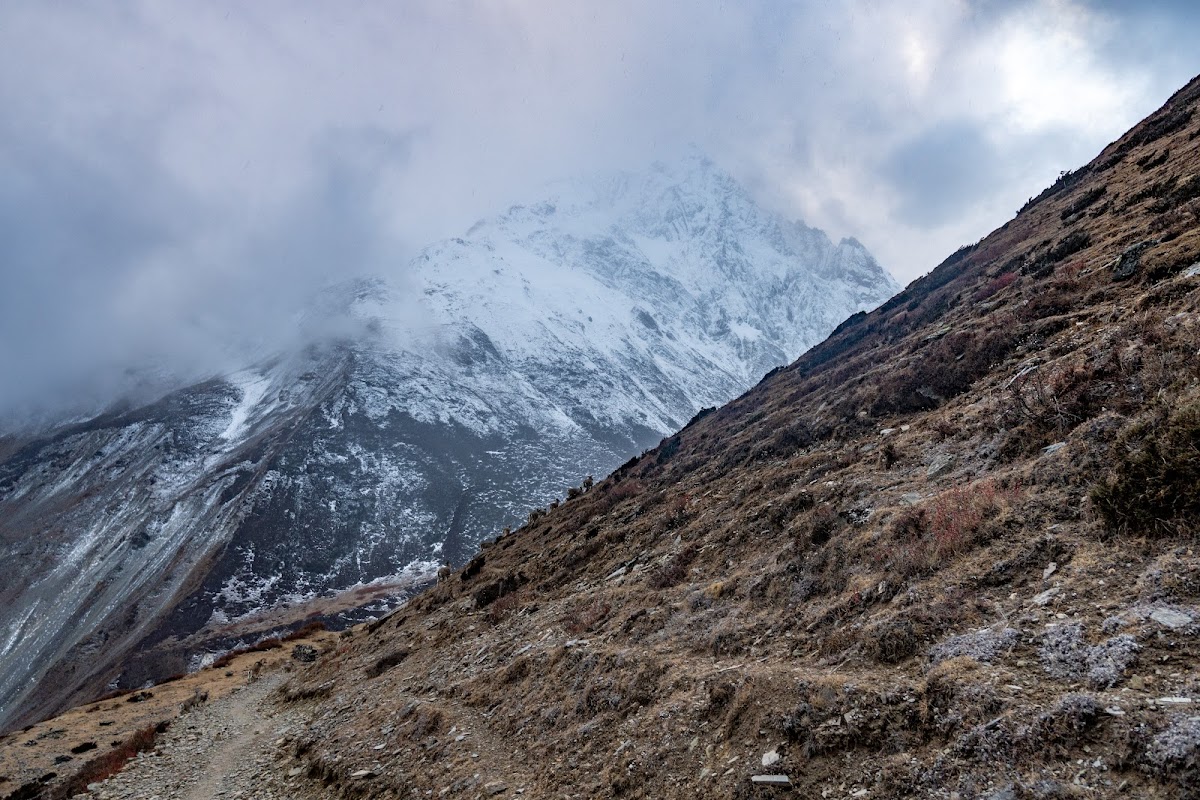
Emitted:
pixel 551 341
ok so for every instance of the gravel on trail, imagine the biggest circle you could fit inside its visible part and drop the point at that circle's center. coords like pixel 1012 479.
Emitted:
pixel 229 748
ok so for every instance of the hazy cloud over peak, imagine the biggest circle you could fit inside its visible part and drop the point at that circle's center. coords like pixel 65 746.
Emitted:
pixel 178 178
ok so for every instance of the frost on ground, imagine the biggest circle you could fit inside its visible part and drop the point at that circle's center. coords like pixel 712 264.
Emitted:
pixel 1066 655
pixel 1177 747
pixel 984 645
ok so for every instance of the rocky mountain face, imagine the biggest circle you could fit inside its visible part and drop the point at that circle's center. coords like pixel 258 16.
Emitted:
pixel 548 343
pixel 949 552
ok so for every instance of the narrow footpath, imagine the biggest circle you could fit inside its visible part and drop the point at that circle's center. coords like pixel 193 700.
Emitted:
pixel 230 748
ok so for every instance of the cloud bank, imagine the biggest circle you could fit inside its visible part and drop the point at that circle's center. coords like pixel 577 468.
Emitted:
pixel 178 179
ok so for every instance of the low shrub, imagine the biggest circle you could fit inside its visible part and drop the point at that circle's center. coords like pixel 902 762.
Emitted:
pixel 504 606
pixel 674 570
pixel 384 663
pixel 1070 244
pixel 587 617
pixel 925 536
pixel 1156 469
pixel 995 285
pixel 316 626
pixel 943 369
pixel 1085 200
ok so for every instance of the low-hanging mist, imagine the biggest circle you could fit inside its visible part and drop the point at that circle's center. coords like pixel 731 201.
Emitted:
pixel 180 181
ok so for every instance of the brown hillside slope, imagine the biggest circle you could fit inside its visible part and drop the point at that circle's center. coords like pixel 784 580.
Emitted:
pixel 949 552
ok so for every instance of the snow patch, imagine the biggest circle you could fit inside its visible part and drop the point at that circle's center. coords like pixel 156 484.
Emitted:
pixel 252 387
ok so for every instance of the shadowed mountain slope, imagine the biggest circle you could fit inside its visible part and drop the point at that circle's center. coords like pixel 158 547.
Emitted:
pixel 548 342
pixel 950 549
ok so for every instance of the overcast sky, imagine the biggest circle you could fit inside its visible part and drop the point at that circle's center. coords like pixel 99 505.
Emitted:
pixel 175 177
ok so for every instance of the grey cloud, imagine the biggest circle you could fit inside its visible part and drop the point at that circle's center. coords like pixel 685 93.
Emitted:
pixel 939 170
pixel 178 179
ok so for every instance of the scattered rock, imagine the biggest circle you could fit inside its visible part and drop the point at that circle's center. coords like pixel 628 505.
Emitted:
pixel 1127 265
pixel 1044 598
pixel 1170 618
pixel 495 788
pixel 304 653
pixel 940 465
pixel 362 774
pixel 771 758
pixel 1192 271
pixel 1053 448
pixel 1050 569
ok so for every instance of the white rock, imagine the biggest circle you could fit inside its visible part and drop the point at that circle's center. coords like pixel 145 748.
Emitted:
pixel 1045 597
pixel 1170 618
pixel 770 758
pixel 939 466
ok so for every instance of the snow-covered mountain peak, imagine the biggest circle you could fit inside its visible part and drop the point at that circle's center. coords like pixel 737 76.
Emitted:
pixel 422 411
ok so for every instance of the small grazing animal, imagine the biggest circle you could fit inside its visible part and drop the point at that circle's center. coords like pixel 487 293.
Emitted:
pixel 200 697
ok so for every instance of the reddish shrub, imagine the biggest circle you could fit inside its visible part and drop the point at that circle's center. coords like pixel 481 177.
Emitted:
pixel 947 525
pixel 315 626
pixel 112 762
pixel 503 606
pixel 273 643
pixel 587 617
pixel 675 570
pixel 995 285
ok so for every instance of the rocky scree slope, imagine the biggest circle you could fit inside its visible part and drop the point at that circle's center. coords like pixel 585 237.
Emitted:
pixel 549 342
pixel 949 552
